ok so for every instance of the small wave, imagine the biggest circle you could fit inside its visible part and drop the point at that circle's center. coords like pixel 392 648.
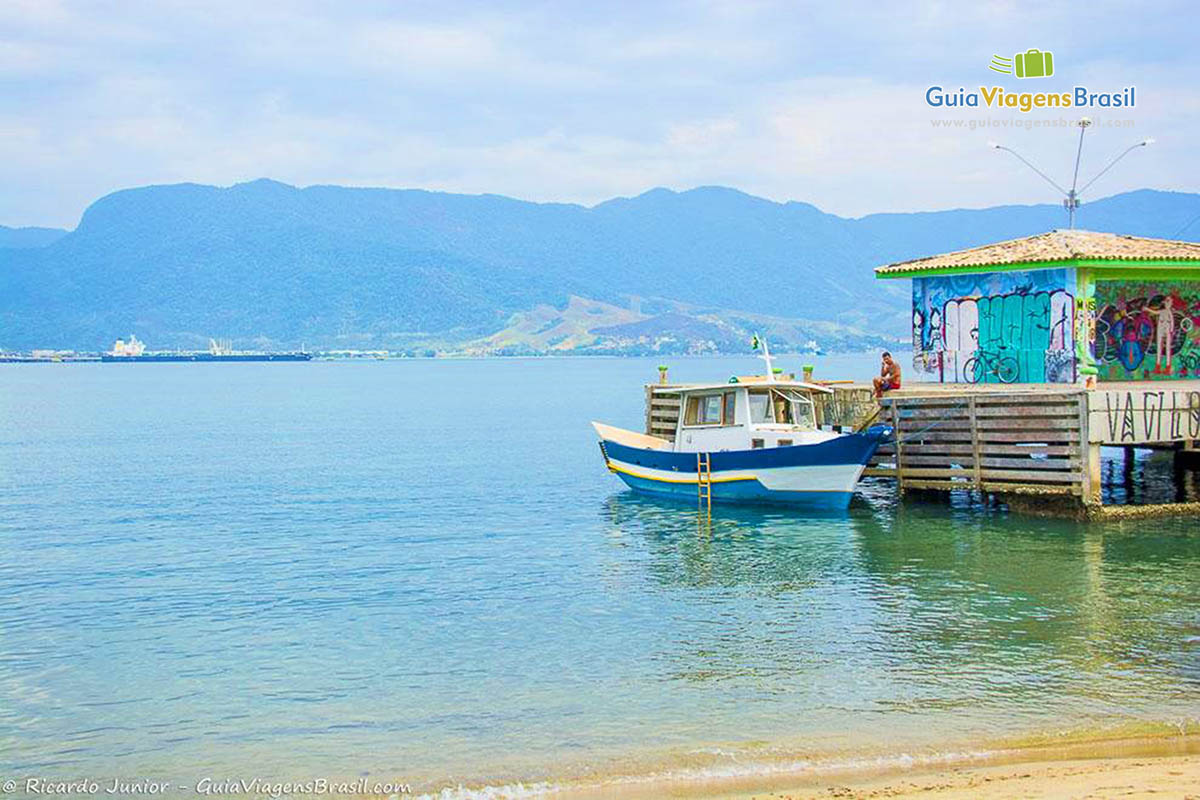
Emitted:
pixel 512 791
pixel 805 766
pixel 751 765
pixel 719 772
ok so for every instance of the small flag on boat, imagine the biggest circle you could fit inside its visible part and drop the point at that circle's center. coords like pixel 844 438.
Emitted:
pixel 754 342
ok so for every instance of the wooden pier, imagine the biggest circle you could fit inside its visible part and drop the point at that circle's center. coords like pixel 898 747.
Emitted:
pixel 1036 446
pixel 1032 440
pixel 1024 442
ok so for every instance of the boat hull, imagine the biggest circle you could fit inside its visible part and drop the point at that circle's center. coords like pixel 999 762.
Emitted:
pixel 822 475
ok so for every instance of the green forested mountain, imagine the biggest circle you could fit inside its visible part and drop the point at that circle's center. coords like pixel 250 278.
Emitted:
pixel 271 265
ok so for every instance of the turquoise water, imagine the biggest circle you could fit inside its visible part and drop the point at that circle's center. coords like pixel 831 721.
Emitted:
pixel 421 569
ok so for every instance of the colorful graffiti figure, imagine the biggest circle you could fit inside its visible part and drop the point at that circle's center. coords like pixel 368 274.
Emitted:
pixel 918 329
pixel 1140 318
pixel 936 340
pixel 1187 324
pixel 1132 329
pixel 1164 332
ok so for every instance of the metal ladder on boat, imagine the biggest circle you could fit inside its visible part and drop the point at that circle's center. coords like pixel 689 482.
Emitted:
pixel 704 480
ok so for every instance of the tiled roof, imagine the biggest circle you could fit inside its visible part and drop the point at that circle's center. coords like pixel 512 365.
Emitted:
pixel 1056 245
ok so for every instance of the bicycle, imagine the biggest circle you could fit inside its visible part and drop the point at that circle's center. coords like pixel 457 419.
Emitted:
pixel 984 365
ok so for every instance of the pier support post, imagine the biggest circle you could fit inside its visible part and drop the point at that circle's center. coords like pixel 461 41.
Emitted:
pixel 976 450
pixel 649 410
pixel 899 452
pixel 1091 475
pixel 1128 462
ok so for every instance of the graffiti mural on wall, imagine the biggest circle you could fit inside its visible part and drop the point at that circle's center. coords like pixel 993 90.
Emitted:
pixel 1000 327
pixel 1147 330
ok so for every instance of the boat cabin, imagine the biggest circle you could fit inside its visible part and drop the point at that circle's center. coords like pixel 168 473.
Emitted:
pixel 747 415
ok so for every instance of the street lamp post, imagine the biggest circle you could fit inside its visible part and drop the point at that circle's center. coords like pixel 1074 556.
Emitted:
pixel 1071 196
pixel 1072 201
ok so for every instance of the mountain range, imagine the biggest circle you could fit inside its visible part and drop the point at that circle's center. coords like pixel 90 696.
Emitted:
pixel 21 238
pixel 274 266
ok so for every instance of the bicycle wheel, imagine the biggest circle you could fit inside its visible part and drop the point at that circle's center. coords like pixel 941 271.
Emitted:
pixel 972 370
pixel 1007 369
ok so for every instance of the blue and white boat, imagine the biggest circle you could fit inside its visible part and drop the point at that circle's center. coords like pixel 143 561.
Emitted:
pixel 751 440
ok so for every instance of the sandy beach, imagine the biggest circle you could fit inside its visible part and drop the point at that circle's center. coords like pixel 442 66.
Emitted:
pixel 1158 767
pixel 1176 777
pixel 1142 767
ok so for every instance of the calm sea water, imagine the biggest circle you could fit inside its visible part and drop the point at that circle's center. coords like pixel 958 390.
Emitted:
pixel 421 569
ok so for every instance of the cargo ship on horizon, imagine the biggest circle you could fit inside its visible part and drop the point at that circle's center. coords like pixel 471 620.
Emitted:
pixel 134 351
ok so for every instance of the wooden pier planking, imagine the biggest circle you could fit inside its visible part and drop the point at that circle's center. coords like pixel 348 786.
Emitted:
pixel 662 411
pixel 987 440
pixel 1028 440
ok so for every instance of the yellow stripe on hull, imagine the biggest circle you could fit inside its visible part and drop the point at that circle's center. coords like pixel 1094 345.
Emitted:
pixel 613 468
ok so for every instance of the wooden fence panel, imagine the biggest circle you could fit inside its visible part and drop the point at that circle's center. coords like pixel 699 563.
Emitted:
pixel 1018 443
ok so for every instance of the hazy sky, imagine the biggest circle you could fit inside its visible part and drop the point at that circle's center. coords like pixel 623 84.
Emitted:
pixel 576 101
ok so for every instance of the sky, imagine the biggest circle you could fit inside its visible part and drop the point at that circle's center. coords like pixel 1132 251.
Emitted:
pixel 581 102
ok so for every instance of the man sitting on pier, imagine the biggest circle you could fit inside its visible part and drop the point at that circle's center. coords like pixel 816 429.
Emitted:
pixel 889 376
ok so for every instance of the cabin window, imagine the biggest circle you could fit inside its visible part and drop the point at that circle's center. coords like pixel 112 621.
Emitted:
pixel 760 408
pixel 802 409
pixel 782 406
pixel 783 409
pixel 756 444
pixel 711 409
pixel 784 442
pixel 703 409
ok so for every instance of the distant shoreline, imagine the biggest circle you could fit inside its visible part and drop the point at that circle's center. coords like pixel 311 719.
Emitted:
pixel 78 357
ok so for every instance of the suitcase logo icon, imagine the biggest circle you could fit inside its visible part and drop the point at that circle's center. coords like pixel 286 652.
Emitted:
pixel 1033 63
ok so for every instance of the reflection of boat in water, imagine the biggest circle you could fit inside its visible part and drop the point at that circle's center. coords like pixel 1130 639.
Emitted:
pixel 750 440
